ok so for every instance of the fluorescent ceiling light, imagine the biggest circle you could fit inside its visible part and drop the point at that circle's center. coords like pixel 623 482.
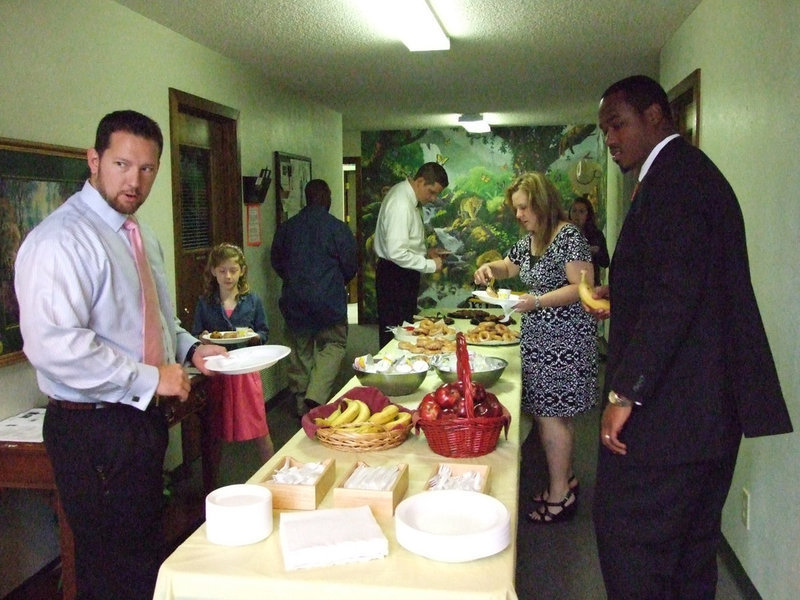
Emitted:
pixel 411 21
pixel 474 123
pixel 417 26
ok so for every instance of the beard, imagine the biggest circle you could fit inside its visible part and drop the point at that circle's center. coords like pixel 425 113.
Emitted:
pixel 126 201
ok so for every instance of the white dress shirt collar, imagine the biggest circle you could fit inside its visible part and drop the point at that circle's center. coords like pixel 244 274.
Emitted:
pixel 653 153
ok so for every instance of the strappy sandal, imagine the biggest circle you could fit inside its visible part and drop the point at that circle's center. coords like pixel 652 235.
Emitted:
pixel 545 517
pixel 572 482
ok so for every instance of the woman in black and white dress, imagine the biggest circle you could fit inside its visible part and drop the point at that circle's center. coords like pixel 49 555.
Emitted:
pixel 557 342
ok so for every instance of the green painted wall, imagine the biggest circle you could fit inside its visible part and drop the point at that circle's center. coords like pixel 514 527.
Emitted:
pixel 749 54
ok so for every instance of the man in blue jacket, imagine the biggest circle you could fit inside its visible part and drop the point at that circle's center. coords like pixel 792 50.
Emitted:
pixel 315 255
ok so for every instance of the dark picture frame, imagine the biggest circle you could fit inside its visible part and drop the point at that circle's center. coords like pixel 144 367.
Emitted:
pixel 292 173
pixel 35 179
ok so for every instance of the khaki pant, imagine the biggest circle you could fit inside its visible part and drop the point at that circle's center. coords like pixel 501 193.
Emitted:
pixel 314 363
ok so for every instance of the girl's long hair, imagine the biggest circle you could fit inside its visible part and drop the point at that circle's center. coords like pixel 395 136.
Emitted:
pixel 218 255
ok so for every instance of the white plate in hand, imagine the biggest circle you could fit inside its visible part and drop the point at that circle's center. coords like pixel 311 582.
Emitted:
pixel 505 303
pixel 223 341
pixel 247 360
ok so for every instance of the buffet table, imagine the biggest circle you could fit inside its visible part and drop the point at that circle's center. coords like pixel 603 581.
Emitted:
pixel 199 569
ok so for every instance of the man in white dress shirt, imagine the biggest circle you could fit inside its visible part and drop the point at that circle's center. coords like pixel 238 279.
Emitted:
pixel 83 324
pixel 400 246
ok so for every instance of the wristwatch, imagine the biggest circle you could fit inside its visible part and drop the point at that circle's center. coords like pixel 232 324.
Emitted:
pixel 618 400
pixel 190 353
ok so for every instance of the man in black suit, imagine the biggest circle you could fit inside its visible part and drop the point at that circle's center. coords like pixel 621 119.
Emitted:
pixel 689 367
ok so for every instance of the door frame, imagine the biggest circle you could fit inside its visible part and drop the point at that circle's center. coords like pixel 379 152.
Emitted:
pixel 356 161
pixel 226 186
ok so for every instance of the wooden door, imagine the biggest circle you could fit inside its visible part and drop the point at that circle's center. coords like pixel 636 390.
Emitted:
pixel 352 192
pixel 206 190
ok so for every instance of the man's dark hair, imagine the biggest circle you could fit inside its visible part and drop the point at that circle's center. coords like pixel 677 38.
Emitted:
pixel 433 172
pixel 129 121
pixel 318 193
pixel 641 92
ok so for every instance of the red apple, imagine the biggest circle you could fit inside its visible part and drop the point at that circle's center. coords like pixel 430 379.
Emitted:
pixel 494 408
pixel 447 395
pixel 481 410
pixel 460 408
pixel 429 410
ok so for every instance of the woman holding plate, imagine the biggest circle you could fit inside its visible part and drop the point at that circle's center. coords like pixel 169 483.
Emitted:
pixel 236 410
pixel 557 342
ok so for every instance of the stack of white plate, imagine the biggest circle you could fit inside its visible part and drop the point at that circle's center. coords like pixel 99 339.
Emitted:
pixel 238 514
pixel 452 525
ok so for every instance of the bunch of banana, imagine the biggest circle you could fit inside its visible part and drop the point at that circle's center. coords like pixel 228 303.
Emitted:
pixel 400 420
pixel 385 415
pixel 586 294
pixel 355 411
pixel 361 428
pixel 358 418
pixel 319 421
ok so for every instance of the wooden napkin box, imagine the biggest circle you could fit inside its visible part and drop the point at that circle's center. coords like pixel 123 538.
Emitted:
pixel 300 496
pixel 381 502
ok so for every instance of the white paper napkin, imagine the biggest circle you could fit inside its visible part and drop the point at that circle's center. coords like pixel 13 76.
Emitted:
pixel 332 536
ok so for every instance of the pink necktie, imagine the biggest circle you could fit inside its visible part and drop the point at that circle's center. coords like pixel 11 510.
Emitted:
pixel 153 344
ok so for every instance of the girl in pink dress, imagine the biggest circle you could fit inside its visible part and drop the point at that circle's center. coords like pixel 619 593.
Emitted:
pixel 235 411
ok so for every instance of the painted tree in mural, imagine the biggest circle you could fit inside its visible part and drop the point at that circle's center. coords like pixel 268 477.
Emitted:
pixel 470 219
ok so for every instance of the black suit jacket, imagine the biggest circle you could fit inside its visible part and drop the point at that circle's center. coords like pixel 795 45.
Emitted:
pixel 686 337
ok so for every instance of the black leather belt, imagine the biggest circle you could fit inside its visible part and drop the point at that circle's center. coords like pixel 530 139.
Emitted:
pixel 68 405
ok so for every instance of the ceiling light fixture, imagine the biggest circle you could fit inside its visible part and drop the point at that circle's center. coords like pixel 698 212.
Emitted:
pixel 418 27
pixel 474 123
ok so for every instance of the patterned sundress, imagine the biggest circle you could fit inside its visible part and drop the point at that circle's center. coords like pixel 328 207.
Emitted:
pixel 557 345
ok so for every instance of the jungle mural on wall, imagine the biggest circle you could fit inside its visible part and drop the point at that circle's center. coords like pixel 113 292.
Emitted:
pixel 470 219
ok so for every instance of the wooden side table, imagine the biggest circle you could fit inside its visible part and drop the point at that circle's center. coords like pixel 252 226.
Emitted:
pixel 26 465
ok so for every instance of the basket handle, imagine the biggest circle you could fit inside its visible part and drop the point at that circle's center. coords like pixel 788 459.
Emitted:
pixel 464 372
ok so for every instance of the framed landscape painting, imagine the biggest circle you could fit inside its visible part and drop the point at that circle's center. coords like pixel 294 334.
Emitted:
pixel 34 180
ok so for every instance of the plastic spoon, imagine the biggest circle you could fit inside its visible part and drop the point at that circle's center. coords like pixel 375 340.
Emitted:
pixel 506 317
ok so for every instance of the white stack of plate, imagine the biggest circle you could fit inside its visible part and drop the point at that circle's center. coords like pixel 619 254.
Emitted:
pixel 452 525
pixel 238 514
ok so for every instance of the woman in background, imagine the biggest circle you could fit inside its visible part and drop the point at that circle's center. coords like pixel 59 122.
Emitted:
pixel 582 216
pixel 235 408
pixel 557 345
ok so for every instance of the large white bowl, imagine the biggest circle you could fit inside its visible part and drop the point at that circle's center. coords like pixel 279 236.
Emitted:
pixel 238 514
pixel 452 525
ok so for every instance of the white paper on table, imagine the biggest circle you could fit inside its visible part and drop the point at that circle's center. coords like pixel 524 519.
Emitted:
pixel 24 427
pixel 331 536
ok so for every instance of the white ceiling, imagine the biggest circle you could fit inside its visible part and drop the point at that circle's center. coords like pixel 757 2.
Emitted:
pixel 520 62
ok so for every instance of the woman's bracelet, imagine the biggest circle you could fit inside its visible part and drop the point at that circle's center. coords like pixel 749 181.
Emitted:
pixel 537 303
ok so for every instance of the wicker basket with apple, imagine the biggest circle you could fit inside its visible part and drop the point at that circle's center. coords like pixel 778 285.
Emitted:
pixel 461 419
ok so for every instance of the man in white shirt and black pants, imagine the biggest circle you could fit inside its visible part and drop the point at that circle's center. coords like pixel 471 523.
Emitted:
pixel 400 246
